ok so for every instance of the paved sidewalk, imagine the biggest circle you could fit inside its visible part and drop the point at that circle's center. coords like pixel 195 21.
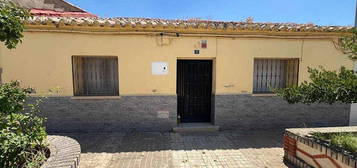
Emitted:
pixel 174 150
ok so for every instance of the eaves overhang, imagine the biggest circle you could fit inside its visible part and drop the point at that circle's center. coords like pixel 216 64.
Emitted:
pixel 123 25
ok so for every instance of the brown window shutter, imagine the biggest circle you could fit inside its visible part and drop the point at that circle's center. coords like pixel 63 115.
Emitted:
pixel 95 76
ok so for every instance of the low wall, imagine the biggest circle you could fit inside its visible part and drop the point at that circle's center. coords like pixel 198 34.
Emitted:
pixel 159 113
pixel 65 153
pixel 305 152
pixel 133 113
pixel 272 112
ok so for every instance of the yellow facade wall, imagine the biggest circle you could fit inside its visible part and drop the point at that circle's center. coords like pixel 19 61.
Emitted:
pixel 43 60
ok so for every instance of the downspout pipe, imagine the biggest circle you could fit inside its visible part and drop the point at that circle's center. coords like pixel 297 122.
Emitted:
pixel 353 112
pixel 355 61
pixel 356 15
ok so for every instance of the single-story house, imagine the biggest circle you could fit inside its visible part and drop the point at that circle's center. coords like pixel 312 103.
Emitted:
pixel 125 74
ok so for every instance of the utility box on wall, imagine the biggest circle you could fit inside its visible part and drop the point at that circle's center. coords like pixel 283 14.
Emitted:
pixel 160 68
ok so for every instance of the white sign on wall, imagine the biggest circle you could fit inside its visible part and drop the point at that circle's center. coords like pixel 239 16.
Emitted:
pixel 160 68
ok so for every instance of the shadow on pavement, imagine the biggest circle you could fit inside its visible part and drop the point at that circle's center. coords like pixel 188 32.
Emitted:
pixel 157 149
pixel 154 141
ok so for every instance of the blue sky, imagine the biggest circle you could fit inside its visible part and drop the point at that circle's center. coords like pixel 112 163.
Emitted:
pixel 321 12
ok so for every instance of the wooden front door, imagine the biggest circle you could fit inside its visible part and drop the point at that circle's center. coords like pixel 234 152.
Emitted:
pixel 194 90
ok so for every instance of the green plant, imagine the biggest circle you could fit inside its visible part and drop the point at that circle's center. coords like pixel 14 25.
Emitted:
pixel 22 134
pixel 12 98
pixel 11 23
pixel 319 135
pixel 347 141
pixel 324 87
pixel 348 44
pixel 328 86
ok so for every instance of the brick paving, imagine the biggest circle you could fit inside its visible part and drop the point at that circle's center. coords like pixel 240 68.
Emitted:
pixel 227 149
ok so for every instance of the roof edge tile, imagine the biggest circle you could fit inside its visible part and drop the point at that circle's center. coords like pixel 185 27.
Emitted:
pixel 214 26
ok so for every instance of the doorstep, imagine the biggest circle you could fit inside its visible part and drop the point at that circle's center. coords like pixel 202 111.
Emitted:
pixel 195 127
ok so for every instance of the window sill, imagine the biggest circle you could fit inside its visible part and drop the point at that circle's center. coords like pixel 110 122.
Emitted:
pixel 94 97
pixel 264 94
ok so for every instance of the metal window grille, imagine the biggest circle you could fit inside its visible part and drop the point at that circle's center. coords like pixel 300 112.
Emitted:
pixel 274 73
pixel 95 76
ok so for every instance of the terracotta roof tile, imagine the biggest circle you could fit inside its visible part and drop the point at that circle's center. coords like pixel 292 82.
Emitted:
pixel 51 13
pixel 185 24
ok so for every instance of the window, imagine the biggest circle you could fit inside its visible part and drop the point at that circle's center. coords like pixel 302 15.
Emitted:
pixel 274 73
pixel 95 76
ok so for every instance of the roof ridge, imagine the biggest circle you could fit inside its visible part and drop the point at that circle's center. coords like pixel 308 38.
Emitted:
pixel 74 6
pixel 217 21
